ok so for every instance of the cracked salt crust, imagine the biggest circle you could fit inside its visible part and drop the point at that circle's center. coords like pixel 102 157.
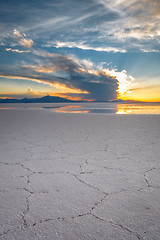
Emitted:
pixel 79 176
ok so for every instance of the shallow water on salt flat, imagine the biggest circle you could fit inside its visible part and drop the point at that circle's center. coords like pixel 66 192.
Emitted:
pixel 98 108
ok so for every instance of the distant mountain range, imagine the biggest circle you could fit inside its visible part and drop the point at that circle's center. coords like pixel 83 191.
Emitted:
pixel 52 99
pixel 46 99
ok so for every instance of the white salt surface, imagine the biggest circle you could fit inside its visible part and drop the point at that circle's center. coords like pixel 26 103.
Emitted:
pixel 79 176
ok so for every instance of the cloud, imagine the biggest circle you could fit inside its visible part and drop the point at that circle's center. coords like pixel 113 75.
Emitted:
pixel 41 68
pixel 83 46
pixel 17 33
pixel 16 50
pixel 138 31
pixel 68 90
pixel 43 53
pixel 125 82
pixel 30 91
pixel 136 7
pixel 150 50
pixel 102 25
pixel 100 83
pixel 22 40
pixel 139 23
pixel 26 42
pixel 52 82
pixel 74 98
pixel 70 75
pixel 19 77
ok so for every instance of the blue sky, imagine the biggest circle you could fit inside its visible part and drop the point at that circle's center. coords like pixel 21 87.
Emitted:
pixel 93 49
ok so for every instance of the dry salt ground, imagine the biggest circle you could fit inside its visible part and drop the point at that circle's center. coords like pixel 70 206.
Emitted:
pixel 79 176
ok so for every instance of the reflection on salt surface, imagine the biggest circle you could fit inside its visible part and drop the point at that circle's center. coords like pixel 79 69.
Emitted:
pixel 97 108
pixel 137 109
pixel 90 108
pixel 71 109
pixel 106 108
pixel 6 108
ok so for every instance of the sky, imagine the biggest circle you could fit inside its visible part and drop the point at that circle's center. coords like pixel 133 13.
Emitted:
pixel 98 50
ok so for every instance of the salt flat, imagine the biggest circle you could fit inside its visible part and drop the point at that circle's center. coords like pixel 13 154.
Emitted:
pixel 79 176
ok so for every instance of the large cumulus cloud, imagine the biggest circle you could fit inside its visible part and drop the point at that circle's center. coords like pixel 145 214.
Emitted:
pixel 81 75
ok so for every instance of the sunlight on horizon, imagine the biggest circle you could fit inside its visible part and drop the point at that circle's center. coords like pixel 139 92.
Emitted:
pixel 137 109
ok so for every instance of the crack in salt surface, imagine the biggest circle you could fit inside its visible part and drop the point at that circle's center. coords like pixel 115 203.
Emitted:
pixel 42 221
pixel 47 220
pixel 90 212
pixel 87 184
pixel 126 229
pixel 120 169
pixel 25 189
pixel 27 206
pixel 5 232
pixel 115 169
pixel 11 164
pixel 25 212
pixel 58 172
pixel 147 180
pixel 80 215
pixel 12 230
pixel 74 217
pixel 92 208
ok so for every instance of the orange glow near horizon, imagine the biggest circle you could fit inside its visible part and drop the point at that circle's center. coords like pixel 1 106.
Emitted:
pixel 137 109
pixel 6 97
pixel 148 95
pixel 142 95
pixel 61 95
pixel 142 91
pixel 64 89
pixel 141 98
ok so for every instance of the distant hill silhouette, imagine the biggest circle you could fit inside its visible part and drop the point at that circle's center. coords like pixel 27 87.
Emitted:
pixel 46 99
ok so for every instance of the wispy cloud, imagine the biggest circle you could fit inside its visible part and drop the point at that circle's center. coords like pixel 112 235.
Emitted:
pixel 16 50
pixel 41 68
pixel 17 33
pixel 22 40
pixel 82 45
pixel 139 22
pixel 26 42
pixel 12 76
pixel 109 26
